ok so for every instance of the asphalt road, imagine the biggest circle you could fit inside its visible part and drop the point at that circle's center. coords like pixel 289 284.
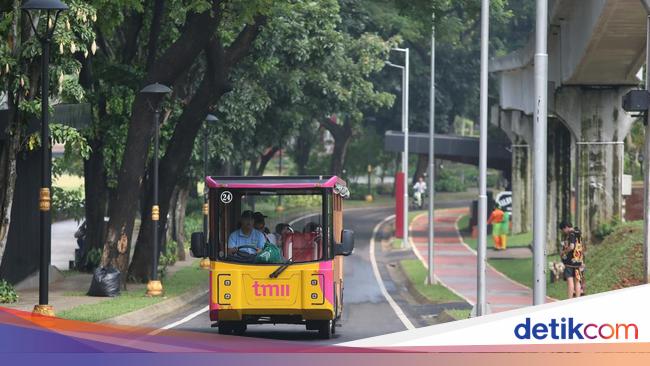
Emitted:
pixel 366 312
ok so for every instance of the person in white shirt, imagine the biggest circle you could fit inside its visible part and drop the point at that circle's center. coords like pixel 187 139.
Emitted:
pixel 419 188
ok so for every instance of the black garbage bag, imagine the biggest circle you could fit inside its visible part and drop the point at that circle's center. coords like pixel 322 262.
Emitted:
pixel 106 282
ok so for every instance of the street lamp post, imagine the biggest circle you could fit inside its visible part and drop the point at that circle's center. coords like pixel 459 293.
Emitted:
pixel 34 10
pixel 431 279
pixel 539 153
pixel 405 129
pixel 481 303
pixel 155 93
pixel 210 118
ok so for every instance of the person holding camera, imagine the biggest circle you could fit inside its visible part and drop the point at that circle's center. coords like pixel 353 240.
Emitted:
pixel 572 255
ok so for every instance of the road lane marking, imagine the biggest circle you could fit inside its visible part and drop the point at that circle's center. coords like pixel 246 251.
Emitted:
pixel 182 321
pixel 373 261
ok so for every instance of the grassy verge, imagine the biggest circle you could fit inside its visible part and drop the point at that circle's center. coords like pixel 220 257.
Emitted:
pixel 616 262
pixel 459 314
pixel 518 269
pixel 417 274
pixel 177 284
pixel 517 240
pixel 521 270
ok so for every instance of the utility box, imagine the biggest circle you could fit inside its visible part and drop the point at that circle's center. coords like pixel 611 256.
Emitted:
pixel 626 185
pixel 636 101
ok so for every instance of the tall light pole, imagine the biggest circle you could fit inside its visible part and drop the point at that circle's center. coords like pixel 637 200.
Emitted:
pixel 539 154
pixel 47 11
pixel 210 118
pixel 154 93
pixel 481 301
pixel 646 157
pixel 405 130
pixel 432 122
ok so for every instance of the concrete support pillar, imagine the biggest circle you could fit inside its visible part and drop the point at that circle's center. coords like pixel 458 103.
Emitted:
pixel 518 127
pixel 522 170
pixel 559 173
pixel 599 125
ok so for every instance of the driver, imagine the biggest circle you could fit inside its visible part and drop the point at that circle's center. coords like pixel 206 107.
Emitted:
pixel 246 236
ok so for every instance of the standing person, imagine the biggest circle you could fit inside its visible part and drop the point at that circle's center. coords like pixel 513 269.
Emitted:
pixel 496 220
pixel 419 188
pixel 260 225
pixel 505 229
pixel 572 255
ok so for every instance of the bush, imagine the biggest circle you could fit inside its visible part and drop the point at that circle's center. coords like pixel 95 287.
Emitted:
pixel 448 182
pixel 93 258
pixel 67 204
pixel 603 230
pixel 167 258
pixel 7 293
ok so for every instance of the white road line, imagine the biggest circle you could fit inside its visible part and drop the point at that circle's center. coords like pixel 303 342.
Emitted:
pixel 373 261
pixel 182 321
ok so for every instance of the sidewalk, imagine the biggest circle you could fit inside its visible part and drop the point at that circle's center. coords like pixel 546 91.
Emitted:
pixel 71 291
pixel 63 243
pixel 455 263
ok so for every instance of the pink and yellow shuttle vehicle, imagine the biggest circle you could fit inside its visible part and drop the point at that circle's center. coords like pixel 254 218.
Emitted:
pixel 276 248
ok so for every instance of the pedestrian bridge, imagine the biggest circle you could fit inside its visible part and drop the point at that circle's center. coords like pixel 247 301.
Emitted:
pixel 460 149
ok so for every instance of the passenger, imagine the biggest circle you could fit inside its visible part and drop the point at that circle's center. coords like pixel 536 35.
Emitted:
pixel 246 235
pixel 281 229
pixel 260 225
pixel 312 227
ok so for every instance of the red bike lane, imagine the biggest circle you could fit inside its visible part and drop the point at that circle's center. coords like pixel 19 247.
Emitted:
pixel 455 263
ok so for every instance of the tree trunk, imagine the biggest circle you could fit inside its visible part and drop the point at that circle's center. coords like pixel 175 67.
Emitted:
pixel 172 63
pixel 421 167
pixel 252 168
pixel 9 148
pixel 342 135
pixel 179 219
pixel 179 148
pixel 265 158
pixel 96 201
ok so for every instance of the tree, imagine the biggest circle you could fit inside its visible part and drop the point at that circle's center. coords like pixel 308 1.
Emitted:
pixel 20 56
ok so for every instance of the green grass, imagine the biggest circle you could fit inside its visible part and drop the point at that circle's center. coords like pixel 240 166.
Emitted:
pixel 517 240
pixel 521 270
pixel 68 181
pixel 397 243
pixel 417 274
pixel 616 262
pixel 459 314
pixel 177 284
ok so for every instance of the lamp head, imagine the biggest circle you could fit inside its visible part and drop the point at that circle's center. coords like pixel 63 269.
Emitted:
pixel 44 5
pixel 156 89
pixel 211 118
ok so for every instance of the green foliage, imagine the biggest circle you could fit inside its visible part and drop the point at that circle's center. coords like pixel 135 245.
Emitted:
pixel 448 182
pixel 7 293
pixel 168 258
pixel 606 228
pixel 417 274
pixel 68 204
pixel 94 257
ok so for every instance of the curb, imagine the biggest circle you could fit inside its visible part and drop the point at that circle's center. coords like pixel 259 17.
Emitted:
pixel 150 313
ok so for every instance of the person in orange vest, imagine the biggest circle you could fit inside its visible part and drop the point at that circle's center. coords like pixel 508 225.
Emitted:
pixel 496 220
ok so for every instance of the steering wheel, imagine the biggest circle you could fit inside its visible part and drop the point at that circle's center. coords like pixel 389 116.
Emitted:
pixel 244 256
pixel 244 253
